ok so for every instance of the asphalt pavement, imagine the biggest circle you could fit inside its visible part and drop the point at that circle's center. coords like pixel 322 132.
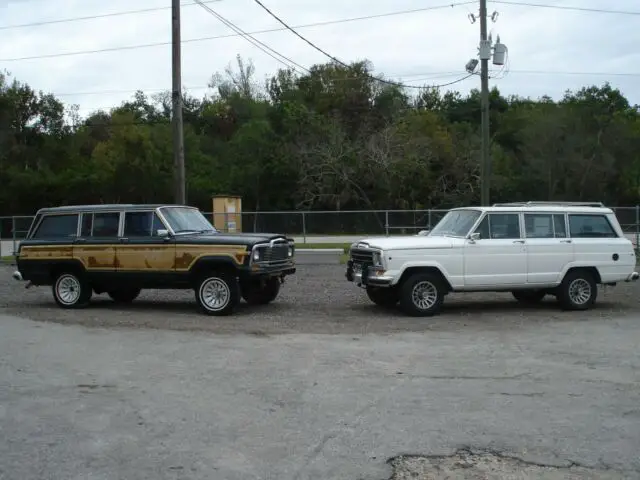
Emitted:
pixel 80 403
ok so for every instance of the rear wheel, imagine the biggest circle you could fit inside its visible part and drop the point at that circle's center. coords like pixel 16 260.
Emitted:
pixel 217 293
pixel 384 296
pixel 529 296
pixel 578 290
pixel 256 292
pixel 71 290
pixel 124 295
pixel 422 294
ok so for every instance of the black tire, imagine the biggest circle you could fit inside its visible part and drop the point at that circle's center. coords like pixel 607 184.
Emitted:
pixel 578 290
pixel 223 284
pixel 124 295
pixel 386 297
pixel 71 290
pixel 254 293
pixel 529 297
pixel 408 294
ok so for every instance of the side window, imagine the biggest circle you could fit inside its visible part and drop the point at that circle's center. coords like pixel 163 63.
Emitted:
pixel 538 225
pixel 559 226
pixel 504 225
pixel 57 226
pixel 141 224
pixel 87 223
pixel 590 226
pixel 105 224
pixel 499 226
pixel 544 225
pixel 483 228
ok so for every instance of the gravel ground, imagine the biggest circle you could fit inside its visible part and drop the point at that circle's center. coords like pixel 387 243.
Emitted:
pixel 465 465
pixel 317 299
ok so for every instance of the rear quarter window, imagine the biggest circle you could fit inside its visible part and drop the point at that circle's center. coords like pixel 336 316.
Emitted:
pixel 591 226
pixel 57 227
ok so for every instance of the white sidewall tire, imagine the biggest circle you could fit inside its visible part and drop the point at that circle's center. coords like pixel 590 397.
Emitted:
pixel 70 290
pixel 217 284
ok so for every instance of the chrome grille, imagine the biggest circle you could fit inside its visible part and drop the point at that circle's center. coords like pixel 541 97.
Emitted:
pixel 278 253
pixel 361 256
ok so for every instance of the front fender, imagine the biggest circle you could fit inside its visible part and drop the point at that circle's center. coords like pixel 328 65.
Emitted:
pixel 399 272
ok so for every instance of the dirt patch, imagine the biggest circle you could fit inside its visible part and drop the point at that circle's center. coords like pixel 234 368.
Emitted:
pixel 467 465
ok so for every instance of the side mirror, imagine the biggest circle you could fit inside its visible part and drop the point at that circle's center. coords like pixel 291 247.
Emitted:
pixel 162 232
pixel 474 237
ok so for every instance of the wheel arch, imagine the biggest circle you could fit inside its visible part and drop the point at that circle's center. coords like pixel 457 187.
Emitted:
pixel 590 269
pixel 409 271
pixel 212 262
pixel 72 266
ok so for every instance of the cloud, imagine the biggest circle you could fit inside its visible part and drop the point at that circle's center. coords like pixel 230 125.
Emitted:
pixel 429 44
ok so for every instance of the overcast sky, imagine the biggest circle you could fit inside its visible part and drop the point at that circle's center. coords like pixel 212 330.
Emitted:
pixel 551 50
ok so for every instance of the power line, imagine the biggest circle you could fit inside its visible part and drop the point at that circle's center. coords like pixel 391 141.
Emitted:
pixel 331 57
pixel 566 7
pixel 219 37
pixel 93 17
pixel 257 43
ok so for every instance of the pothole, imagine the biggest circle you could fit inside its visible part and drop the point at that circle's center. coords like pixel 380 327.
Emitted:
pixel 467 465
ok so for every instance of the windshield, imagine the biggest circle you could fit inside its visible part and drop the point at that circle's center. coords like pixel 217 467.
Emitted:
pixel 185 219
pixel 456 223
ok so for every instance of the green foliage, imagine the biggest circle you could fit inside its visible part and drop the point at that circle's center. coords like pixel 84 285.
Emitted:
pixel 335 138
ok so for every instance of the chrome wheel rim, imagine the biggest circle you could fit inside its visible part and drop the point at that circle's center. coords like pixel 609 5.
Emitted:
pixel 215 294
pixel 579 291
pixel 424 295
pixel 68 289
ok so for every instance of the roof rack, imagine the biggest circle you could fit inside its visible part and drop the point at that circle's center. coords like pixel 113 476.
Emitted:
pixel 571 204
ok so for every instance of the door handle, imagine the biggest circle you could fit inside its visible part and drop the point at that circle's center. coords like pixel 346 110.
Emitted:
pixel 518 241
pixel 565 241
pixel 80 240
pixel 123 239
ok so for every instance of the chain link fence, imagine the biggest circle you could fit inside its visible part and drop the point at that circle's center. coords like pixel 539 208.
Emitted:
pixel 305 225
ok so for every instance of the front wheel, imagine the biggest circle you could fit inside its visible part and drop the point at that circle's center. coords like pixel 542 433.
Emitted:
pixel 217 293
pixel 578 291
pixel 255 292
pixel 384 296
pixel 422 295
pixel 71 290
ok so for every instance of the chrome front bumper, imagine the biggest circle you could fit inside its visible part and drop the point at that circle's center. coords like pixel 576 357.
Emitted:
pixel 633 277
pixel 374 280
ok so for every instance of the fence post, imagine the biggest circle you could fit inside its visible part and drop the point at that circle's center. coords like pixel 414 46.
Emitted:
pixel 386 221
pixel 13 234
pixel 429 219
pixel 637 226
pixel 304 227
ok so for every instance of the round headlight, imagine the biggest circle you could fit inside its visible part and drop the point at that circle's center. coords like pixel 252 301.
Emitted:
pixel 290 253
pixel 256 255
pixel 377 259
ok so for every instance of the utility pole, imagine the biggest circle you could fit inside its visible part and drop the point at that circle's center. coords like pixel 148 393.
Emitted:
pixel 176 120
pixel 499 53
pixel 485 54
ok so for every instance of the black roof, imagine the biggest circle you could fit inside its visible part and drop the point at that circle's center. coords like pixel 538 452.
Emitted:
pixel 108 207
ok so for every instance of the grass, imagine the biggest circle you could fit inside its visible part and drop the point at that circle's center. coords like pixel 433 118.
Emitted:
pixel 343 246
pixel 8 259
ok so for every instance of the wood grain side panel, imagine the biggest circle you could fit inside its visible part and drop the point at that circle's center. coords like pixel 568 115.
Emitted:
pixel 96 257
pixel 188 255
pixel 49 252
pixel 146 257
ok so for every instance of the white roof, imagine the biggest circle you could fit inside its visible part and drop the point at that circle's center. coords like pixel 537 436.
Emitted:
pixel 543 207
